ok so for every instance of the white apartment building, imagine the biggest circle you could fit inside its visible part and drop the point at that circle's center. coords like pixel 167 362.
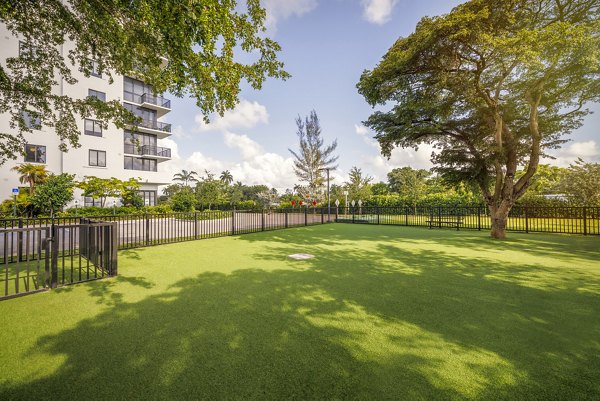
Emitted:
pixel 103 153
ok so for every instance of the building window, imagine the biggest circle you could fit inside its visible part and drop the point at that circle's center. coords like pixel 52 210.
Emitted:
pixel 93 127
pixel 97 158
pixel 133 142
pixel 97 94
pixel 89 201
pixel 143 113
pixel 96 69
pixel 31 120
pixel 135 163
pixel 133 89
pixel 35 153
pixel 149 197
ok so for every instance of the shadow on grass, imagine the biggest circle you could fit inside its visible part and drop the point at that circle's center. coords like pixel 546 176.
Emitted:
pixel 386 322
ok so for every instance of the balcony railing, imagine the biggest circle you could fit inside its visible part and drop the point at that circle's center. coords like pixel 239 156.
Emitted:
pixel 156 100
pixel 148 150
pixel 156 125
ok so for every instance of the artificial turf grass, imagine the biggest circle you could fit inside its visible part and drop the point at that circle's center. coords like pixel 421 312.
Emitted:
pixel 380 313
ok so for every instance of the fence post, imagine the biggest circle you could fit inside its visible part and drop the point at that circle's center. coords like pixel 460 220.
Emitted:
pixel 378 213
pixel 20 241
pixel 322 217
pixel 584 220
pixel 353 211
pixel 54 257
pixel 526 221
pixel 233 222
pixel 406 216
pixel 286 218
pixel 147 229
pixel 114 229
pixel 262 220
pixel 195 224
pixel 306 216
pixel 479 218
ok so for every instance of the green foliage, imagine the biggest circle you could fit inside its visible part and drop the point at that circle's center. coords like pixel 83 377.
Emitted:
pixel 91 211
pixel 210 191
pixel 103 188
pixel 202 41
pixel 358 186
pixel 31 174
pixel 448 199
pixel 409 183
pixel 55 193
pixel 581 182
pixel 185 177
pixel 546 179
pixel 183 201
pixel 380 188
pixel 313 156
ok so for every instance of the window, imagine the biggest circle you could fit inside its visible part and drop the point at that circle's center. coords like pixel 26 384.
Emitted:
pixel 133 89
pixel 149 196
pixel 93 127
pixel 35 153
pixel 97 158
pixel 89 201
pixel 31 120
pixel 134 141
pixel 134 163
pixel 143 113
pixel 97 94
pixel 96 69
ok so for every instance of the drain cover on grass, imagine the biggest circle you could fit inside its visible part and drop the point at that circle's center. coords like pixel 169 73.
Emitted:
pixel 301 256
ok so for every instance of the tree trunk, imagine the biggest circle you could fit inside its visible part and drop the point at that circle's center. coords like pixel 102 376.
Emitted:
pixel 499 215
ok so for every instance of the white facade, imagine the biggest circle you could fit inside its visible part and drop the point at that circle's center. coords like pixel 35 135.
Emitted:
pixel 80 161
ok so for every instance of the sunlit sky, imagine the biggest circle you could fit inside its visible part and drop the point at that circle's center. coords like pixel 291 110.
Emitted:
pixel 326 46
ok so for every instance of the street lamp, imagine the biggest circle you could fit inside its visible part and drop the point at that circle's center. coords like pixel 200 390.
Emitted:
pixel 328 197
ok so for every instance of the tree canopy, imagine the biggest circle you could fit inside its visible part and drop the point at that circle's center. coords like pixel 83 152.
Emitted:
pixel 492 85
pixel 201 40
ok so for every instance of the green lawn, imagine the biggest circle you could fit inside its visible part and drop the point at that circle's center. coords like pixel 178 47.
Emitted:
pixel 381 312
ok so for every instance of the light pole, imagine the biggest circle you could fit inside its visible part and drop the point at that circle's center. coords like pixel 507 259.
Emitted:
pixel 328 197
pixel 346 194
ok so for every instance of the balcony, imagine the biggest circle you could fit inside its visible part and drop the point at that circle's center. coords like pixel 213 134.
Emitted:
pixel 158 103
pixel 154 152
pixel 158 128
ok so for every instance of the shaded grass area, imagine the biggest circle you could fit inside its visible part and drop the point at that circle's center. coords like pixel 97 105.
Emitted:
pixel 379 313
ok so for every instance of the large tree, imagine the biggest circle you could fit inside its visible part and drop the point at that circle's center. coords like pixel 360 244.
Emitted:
pixel 202 41
pixel 313 156
pixel 492 85
pixel 409 183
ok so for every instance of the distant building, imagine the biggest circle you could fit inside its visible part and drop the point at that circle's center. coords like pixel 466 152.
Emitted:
pixel 103 153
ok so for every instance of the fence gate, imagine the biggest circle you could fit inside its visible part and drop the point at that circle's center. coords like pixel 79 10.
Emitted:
pixel 37 258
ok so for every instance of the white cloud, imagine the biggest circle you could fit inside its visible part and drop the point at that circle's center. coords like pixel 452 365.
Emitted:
pixel 378 11
pixel 248 148
pixel 278 10
pixel 589 151
pixel 246 114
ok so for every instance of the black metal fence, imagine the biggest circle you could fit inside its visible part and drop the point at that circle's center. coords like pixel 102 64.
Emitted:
pixel 37 256
pixel 560 220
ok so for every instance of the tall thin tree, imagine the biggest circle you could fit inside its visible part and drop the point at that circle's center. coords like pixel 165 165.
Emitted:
pixel 313 155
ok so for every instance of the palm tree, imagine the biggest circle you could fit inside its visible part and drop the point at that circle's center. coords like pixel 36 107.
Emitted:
pixel 226 177
pixel 186 177
pixel 31 174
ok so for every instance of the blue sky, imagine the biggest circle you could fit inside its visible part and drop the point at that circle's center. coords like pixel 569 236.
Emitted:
pixel 326 46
